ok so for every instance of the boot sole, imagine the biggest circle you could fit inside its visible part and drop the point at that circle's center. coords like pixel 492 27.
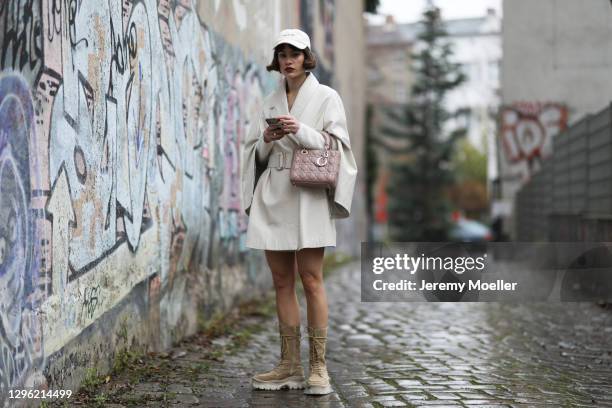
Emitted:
pixel 318 390
pixel 295 383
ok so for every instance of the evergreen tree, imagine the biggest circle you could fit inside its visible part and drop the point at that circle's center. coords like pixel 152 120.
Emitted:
pixel 421 173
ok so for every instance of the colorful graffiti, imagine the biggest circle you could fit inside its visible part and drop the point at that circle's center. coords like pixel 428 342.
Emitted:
pixel 527 129
pixel 121 128
pixel 20 328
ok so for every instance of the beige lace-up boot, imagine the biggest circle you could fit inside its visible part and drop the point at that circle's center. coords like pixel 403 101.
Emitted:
pixel 318 378
pixel 289 373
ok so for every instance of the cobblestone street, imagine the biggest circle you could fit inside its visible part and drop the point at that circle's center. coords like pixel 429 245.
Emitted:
pixel 415 354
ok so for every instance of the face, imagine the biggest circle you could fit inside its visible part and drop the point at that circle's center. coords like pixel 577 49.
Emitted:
pixel 291 62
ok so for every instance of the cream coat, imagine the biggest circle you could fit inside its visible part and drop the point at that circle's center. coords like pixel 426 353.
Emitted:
pixel 281 215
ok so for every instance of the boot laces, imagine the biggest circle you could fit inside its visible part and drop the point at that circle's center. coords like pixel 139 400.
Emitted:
pixel 285 361
pixel 316 360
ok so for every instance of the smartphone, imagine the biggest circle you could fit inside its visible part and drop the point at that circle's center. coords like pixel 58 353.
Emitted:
pixel 273 122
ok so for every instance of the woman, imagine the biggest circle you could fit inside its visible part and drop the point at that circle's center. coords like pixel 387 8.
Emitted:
pixel 295 224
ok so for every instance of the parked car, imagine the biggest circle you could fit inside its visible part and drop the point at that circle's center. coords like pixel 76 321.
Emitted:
pixel 466 230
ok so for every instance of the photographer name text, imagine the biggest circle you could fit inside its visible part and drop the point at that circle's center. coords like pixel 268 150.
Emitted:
pixel 404 284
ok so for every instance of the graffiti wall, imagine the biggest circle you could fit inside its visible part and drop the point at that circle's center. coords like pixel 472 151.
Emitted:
pixel 121 127
pixel 527 130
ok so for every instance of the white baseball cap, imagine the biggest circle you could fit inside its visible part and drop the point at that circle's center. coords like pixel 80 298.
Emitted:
pixel 293 36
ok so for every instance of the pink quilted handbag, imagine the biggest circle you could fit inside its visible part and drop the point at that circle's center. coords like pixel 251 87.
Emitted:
pixel 315 168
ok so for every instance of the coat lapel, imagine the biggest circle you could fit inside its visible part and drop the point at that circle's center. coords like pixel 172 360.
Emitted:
pixel 280 106
pixel 305 95
pixel 277 103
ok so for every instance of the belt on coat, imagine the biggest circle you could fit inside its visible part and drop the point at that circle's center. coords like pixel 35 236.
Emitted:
pixel 280 160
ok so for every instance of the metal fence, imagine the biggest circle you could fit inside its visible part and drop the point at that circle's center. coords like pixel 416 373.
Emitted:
pixel 570 198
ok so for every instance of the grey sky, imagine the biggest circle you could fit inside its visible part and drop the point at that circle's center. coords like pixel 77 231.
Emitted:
pixel 407 11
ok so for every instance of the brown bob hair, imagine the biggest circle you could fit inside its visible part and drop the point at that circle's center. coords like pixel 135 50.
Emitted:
pixel 310 61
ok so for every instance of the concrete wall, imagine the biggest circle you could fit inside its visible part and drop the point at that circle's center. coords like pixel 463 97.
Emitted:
pixel 557 59
pixel 546 57
pixel 350 81
pixel 121 129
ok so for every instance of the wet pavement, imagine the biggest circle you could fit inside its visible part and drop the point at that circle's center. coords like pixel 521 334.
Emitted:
pixel 406 354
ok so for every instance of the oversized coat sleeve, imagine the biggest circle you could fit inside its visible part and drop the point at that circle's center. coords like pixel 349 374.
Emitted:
pixel 334 122
pixel 254 161
pixel 309 138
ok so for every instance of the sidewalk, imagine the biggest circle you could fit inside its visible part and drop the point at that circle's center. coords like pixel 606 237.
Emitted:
pixel 401 354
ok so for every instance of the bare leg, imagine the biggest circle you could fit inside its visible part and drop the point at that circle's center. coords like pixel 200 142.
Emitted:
pixel 288 373
pixel 283 265
pixel 310 267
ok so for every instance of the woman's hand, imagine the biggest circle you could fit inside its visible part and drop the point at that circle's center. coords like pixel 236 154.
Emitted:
pixel 290 124
pixel 272 133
